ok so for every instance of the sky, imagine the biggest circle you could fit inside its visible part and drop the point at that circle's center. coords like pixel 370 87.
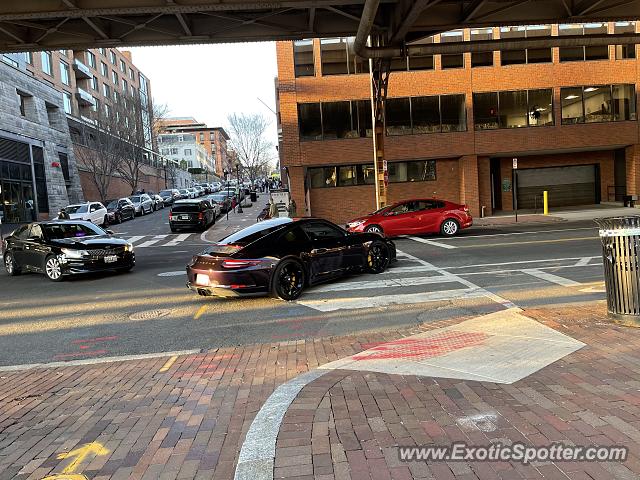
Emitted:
pixel 209 82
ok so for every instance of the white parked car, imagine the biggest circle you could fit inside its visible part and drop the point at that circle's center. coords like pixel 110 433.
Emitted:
pixel 94 212
pixel 143 203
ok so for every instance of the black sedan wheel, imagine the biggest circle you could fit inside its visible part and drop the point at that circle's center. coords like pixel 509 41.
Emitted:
pixel 10 265
pixel 378 257
pixel 288 280
pixel 53 269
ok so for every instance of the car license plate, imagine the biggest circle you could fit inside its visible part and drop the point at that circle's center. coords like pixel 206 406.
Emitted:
pixel 202 279
pixel 110 258
pixel 184 217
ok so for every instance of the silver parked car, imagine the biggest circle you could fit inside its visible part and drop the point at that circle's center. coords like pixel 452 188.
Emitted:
pixel 158 201
pixel 143 203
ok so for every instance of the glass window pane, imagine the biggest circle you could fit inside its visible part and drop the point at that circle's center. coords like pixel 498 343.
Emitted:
pixel 365 174
pixel 356 64
pixel 572 105
pixel 333 53
pixel 453 113
pixel 625 51
pixel 322 177
pixel 540 107
pixel 481 34
pixel 512 109
pixel 624 102
pixel 571 54
pixel 599 28
pixel 596 53
pixel 426 114
pixel 597 103
pixel 397 171
pixel 309 121
pixel 538 31
pixel 482 59
pixel 454 60
pixel 539 55
pixel 421 62
pixel 347 176
pixel 513 57
pixel 421 171
pixel 303 58
pixel 336 121
pixel 364 127
pixel 398 116
pixel 513 32
pixel 485 110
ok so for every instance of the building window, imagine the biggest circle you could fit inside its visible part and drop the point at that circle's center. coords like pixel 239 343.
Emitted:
pixel 581 53
pixel 426 114
pixel 91 59
pixel 201 137
pixel 125 86
pixel 28 57
pixel 66 100
pixel 303 59
pixel 104 69
pixel 598 103
pixel 453 60
pixel 625 51
pixel 398 116
pixel 114 77
pixel 481 59
pixel 513 109
pixel 103 51
pixel 188 152
pixel 337 121
pixel 64 73
pixel 337 59
pixel 421 62
pixel 106 90
pixel 22 98
pixel 94 83
pixel 624 102
pixel 47 64
pixel 113 56
pixel 123 66
pixel 530 55
pixel 453 113
pixel 364 174
pixel 63 52
pixel 310 121
pixel 572 111
pixel 174 151
pixel 143 85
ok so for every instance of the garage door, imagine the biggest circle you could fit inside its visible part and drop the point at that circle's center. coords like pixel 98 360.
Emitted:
pixel 566 186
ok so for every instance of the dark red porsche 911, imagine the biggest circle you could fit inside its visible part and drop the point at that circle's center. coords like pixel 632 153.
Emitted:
pixel 282 256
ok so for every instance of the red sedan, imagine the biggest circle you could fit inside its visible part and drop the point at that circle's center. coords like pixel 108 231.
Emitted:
pixel 417 216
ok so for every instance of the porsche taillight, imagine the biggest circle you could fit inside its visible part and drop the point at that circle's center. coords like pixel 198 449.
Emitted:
pixel 232 263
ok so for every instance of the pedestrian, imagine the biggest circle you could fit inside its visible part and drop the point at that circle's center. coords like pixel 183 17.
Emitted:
pixel 63 215
pixel 273 209
pixel 292 208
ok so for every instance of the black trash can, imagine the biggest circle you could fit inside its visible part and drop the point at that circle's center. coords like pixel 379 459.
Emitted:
pixel 620 237
pixel 254 197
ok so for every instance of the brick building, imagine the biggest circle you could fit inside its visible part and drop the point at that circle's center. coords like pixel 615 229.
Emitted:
pixel 455 122
pixel 213 139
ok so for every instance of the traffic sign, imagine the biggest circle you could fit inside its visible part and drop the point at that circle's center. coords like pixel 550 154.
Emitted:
pixel 515 163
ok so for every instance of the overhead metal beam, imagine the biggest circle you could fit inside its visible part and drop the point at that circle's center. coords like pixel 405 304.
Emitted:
pixel 312 19
pixel 183 24
pixel 95 27
pixel 409 18
pixel 587 6
pixel 472 10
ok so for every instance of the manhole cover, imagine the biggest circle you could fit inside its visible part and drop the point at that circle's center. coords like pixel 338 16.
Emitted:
pixel 150 314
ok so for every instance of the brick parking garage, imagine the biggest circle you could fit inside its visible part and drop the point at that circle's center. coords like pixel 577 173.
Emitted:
pixel 455 122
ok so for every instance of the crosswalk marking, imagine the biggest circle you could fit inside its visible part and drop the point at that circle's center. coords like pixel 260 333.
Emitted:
pixel 386 283
pixel 179 239
pixel 550 277
pixel 148 243
pixel 431 242
pixel 135 238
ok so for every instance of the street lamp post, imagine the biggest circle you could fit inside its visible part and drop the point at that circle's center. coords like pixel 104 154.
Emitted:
pixel 239 187
pixel 226 179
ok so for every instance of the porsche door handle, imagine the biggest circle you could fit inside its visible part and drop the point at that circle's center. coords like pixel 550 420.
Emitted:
pixel 319 251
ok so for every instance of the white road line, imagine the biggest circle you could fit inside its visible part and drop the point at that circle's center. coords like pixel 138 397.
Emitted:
pixel 518 262
pixel 550 277
pixel 95 361
pixel 521 270
pixel 135 238
pixel 431 242
pixel 462 237
pixel 583 262
pixel 388 283
pixel 395 270
pixel 332 304
pixel 180 238
pixel 149 243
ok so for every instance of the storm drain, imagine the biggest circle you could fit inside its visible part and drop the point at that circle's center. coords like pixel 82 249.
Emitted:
pixel 150 314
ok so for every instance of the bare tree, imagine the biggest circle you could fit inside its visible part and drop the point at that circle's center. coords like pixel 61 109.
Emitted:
pixel 99 149
pixel 249 141
pixel 140 118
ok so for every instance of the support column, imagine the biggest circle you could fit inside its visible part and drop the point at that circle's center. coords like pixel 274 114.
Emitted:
pixel 469 191
pixel 632 161
pixel 297 191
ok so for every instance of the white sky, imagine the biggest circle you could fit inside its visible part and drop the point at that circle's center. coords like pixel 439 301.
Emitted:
pixel 208 82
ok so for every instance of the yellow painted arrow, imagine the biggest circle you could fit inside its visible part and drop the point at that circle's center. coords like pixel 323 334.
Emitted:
pixel 68 473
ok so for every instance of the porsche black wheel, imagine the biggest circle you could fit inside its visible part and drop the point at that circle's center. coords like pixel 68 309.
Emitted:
pixel 288 280
pixel 377 257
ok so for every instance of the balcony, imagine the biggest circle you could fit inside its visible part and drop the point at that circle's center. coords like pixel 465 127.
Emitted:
pixel 82 71
pixel 85 99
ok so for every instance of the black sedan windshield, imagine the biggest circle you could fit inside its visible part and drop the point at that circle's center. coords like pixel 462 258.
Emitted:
pixel 56 231
pixel 112 205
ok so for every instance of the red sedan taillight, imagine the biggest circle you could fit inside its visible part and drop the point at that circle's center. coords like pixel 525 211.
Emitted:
pixel 465 208
pixel 239 263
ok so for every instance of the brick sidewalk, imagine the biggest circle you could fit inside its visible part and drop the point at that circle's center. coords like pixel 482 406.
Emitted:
pixel 186 417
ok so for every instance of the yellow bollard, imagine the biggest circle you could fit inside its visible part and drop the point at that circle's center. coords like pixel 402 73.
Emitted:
pixel 545 197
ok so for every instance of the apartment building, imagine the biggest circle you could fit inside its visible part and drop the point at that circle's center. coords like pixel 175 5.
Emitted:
pixel 185 149
pixel 454 123
pixel 213 139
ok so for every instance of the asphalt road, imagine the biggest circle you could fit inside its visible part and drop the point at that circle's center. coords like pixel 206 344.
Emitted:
pixel 150 310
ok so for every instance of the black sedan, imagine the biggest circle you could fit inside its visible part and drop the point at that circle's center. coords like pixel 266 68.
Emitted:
pixel 60 248
pixel 281 256
pixel 191 214
pixel 120 210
